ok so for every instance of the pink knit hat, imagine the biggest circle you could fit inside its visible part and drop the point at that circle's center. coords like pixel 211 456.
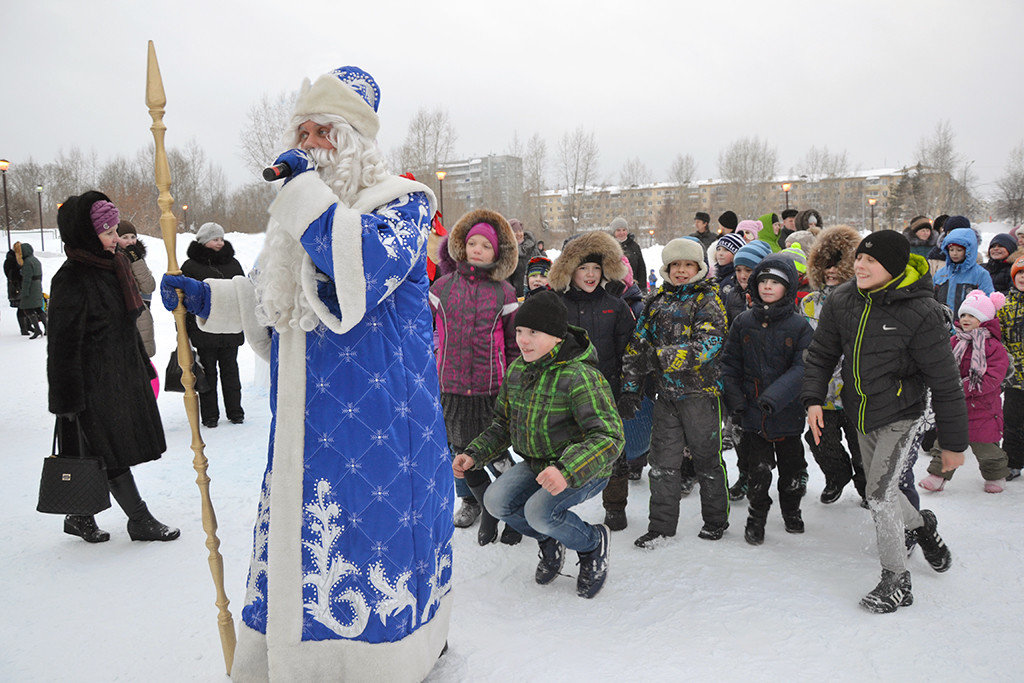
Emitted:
pixel 104 216
pixel 753 227
pixel 981 306
pixel 488 231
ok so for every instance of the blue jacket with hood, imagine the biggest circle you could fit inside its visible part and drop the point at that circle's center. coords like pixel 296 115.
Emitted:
pixel 955 280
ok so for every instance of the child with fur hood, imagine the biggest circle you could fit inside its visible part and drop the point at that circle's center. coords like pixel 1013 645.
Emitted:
pixel 1011 323
pixel 588 276
pixel 473 308
pixel 677 343
pixel 962 272
pixel 762 369
pixel 978 350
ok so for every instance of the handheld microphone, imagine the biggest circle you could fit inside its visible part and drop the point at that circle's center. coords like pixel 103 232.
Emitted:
pixel 277 172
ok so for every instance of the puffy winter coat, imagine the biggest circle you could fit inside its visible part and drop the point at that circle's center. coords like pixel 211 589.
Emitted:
pixel 474 312
pixel 955 280
pixel 204 263
pixel 557 410
pixel 12 271
pixel 636 260
pixel 762 362
pixel 1011 326
pixel 678 340
pixel 735 302
pixel 985 405
pixel 31 280
pixel 893 345
pixel 767 233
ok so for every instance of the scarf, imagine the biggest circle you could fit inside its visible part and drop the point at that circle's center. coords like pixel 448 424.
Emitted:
pixel 119 264
pixel 974 340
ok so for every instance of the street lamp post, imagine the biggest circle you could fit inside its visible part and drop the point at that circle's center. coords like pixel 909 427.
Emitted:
pixel 785 190
pixel 184 207
pixel 651 233
pixel 440 190
pixel 872 201
pixel 4 165
pixel 42 239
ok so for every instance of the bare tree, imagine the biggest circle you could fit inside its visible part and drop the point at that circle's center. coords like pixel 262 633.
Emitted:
pixel 578 157
pixel 429 142
pixel 260 141
pixel 950 191
pixel 1010 187
pixel 747 163
pixel 635 172
pixel 832 200
pixel 535 162
pixel 683 169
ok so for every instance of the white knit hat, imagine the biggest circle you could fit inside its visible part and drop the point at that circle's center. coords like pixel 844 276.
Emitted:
pixel 209 231
pixel 982 307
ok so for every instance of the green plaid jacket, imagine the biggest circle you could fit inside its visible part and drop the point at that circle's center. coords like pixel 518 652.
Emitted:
pixel 557 410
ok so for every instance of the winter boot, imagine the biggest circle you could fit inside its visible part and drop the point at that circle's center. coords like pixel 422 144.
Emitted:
pixel 831 493
pixel 85 527
pixel 142 526
pixel 712 532
pixel 593 566
pixel 1014 474
pixel 754 531
pixel 891 592
pixel 615 520
pixel 510 536
pixel 738 491
pixel 552 557
pixel 794 522
pixel 994 486
pixel 467 513
pixel 686 485
pixel 933 483
pixel 798 484
pixel 488 531
pixel 650 540
pixel 910 540
pixel 932 545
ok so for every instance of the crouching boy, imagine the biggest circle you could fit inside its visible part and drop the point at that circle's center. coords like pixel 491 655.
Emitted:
pixel 556 410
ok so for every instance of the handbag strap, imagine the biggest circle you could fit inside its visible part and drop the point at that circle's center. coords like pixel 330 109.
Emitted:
pixel 83 446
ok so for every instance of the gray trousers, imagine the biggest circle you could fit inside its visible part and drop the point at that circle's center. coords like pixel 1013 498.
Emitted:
pixel 886 452
pixel 694 422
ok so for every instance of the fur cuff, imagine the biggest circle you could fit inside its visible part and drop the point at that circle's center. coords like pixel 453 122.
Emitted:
pixel 300 202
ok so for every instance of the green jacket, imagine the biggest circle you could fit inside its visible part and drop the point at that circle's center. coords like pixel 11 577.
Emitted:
pixel 768 233
pixel 557 410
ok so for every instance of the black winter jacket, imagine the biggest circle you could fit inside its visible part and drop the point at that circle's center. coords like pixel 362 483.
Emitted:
pixel 608 322
pixel 763 364
pixel 1000 272
pixel 895 343
pixel 735 302
pixel 206 264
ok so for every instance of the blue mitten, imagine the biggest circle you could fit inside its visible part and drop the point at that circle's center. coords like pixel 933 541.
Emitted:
pixel 298 160
pixel 197 294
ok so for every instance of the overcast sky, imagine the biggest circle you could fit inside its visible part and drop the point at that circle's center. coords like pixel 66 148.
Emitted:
pixel 650 79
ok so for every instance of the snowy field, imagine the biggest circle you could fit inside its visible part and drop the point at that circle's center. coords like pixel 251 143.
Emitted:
pixel 690 610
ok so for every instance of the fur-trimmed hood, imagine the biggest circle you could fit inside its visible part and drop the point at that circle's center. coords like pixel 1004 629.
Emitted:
pixel 839 238
pixel 577 249
pixel 802 221
pixel 508 249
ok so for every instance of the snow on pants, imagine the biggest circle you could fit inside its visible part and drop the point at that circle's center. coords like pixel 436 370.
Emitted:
pixel 694 422
pixel 788 453
pixel 991 461
pixel 1013 426
pixel 885 452
pixel 838 465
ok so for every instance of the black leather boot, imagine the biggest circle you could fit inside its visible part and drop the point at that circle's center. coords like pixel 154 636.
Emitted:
pixel 487 533
pixel 85 527
pixel 142 526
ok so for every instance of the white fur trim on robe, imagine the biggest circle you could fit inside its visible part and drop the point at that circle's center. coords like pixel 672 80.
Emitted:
pixel 232 310
pixel 302 201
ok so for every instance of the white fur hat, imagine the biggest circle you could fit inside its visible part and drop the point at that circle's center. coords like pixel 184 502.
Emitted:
pixel 348 92
pixel 684 249
pixel 209 231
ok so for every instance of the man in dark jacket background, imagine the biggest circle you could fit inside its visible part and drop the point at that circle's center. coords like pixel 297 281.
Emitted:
pixel 527 250
pixel 701 231
pixel 620 231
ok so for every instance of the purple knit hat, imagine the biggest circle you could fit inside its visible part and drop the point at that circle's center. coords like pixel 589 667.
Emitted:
pixel 488 231
pixel 104 216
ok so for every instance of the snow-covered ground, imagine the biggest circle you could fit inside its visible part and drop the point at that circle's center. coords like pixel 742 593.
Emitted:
pixel 692 609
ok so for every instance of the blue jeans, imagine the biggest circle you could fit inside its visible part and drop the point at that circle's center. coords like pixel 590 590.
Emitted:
pixel 517 499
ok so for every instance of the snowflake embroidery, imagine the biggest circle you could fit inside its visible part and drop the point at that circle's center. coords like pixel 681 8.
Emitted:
pixel 349 409
pixel 422 567
pixel 353 465
pixel 322 243
pixel 354 520
pixel 406 463
pixel 377 380
pixel 402 408
pixel 405 519
pixel 326 440
pixel 347 354
pixel 379 437
pixel 380 493
pixel 374 324
pixel 321 385
pixel 380 548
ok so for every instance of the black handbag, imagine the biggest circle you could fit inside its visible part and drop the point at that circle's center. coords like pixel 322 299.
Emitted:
pixel 73 485
pixel 172 376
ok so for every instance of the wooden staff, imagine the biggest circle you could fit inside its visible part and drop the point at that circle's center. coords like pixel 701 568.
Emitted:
pixel 156 100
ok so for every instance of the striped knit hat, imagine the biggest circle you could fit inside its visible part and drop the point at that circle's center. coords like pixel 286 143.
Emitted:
pixel 751 254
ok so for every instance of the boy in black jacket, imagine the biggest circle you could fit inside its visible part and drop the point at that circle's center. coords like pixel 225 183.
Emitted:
pixel 892 335
pixel 762 368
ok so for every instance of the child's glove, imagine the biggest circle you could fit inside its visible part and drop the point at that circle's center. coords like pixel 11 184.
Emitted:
pixel 628 404
pixel 299 161
pixel 197 294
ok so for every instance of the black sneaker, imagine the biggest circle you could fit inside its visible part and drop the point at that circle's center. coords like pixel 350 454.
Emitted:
pixel 552 557
pixel 510 536
pixel 754 531
pixel 891 592
pixel 687 485
pixel 210 422
pixel 615 520
pixel 593 566
pixel 713 532
pixel 910 540
pixel 650 540
pixel 738 491
pixel 794 522
pixel 467 513
pixel 831 493
pixel 932 545
pixel 1014 473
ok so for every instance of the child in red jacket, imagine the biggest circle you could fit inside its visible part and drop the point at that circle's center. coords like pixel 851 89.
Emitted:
pixel 979 351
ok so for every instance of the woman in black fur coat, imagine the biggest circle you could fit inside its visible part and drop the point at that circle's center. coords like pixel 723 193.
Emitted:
pixel 212 257
pixel 98 371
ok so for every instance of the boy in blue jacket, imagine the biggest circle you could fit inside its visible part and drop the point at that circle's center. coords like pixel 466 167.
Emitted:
pixel 962 272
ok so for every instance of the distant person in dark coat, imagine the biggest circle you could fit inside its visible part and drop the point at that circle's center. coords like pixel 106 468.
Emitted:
pixel 700 229
pixel 12 271
pixel 527 250
pixel 620 231
pixel 31 301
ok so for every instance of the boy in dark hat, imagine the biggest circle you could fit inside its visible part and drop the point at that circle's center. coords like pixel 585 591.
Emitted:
pixel 727 222
pixel 556 410
pixel 890 334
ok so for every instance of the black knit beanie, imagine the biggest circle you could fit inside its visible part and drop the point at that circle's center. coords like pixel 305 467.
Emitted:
pixel 888 247
pixel 544 312
pixel 728 220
